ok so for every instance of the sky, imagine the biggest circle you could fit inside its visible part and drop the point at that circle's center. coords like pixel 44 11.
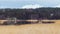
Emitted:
pixel 29 3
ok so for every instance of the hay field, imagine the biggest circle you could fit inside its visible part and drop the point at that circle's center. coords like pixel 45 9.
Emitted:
pixel 31 29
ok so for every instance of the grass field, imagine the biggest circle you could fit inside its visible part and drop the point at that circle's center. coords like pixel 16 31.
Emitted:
pixel 31 28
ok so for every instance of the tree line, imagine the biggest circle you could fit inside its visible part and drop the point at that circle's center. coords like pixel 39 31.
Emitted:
pixel 39 13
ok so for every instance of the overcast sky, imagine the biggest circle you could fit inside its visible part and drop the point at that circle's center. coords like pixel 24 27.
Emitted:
pixel 22 3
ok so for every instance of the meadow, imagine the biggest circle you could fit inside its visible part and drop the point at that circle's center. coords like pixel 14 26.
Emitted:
pixel 31 28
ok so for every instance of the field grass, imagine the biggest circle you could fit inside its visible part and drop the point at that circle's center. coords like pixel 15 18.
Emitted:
pixel 31 28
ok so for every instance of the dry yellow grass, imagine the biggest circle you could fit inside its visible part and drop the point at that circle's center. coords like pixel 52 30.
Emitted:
pixel 31 29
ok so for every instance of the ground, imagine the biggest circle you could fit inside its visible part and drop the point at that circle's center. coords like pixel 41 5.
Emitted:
pixel 31 29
